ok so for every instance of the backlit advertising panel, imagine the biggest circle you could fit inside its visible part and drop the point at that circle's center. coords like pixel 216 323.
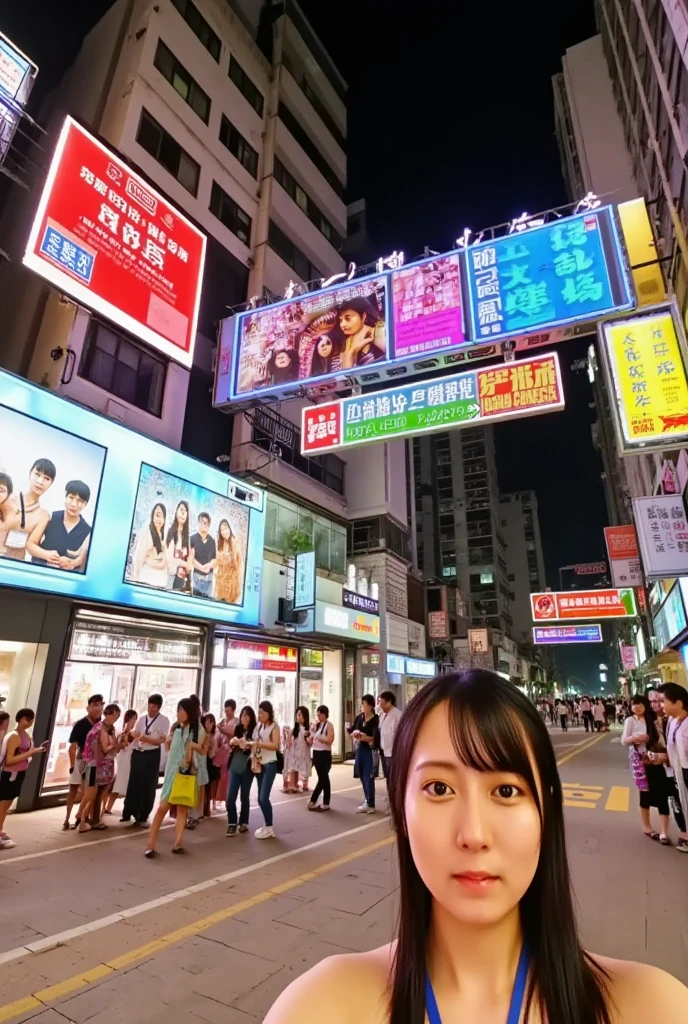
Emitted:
pixel 566 271
pixel 583 604
pixel 426 306
pixel 497 393
pixel 567 634
pixel 120 518
pixel 17 75
pixel 624 559
pixel 645 358
pixel 105 237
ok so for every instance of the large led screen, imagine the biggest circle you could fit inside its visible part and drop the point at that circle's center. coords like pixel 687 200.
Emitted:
pixel 426 306
pixel 120 491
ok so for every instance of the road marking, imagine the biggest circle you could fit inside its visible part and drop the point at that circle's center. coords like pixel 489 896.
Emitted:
pixel 581 748
pixel 82 980
pixel 619 799
pixel 581 795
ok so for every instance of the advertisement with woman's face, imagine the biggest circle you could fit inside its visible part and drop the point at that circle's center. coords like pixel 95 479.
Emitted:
pixel 322 334
pixel 49 485
pixel 187 539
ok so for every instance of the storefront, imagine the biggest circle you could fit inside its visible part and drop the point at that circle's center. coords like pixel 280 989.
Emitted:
pixel 251 671
pixel 405 676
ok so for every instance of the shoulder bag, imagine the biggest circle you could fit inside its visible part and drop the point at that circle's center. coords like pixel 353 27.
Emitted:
pixel 184 792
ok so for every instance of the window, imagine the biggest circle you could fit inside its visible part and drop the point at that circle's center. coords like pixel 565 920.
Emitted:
pixel 270 427
pixel 305 203
pixel 152 137
pixel 199 26
pixel 123 368
pixel 310 149
pixel 239 147
pixel 182 82
pixel 291 254
pixel 230 213
pixel 246 86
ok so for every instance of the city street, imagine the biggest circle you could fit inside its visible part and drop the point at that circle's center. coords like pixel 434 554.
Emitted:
pixel 94 932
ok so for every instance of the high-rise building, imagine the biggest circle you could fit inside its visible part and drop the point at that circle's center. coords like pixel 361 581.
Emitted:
pixel 524 558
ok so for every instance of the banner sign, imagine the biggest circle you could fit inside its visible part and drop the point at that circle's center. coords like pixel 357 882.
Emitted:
pixel 628 656
pixel 590 568
pixel 567 634
pixel 663 535
pixel 622 548
pixel 359 602
pixel 565 271
pixel 336 620
pixel 644 357
pixel 585 604
pixel 478 641
pixel 105 237
pixel 670 620
pixel 261 657
pixel 304 580
pixel 518 389
pixel 426 306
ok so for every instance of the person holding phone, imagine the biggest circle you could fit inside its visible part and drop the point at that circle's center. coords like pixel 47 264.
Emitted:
pixel 17 751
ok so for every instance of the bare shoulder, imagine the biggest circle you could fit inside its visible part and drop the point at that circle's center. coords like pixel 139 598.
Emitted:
pixel 639 990
pixel 347 989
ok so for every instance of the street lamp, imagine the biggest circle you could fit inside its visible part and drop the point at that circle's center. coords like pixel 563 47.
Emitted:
pixel 603 668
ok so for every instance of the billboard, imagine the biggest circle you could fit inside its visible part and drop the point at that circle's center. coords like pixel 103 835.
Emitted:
pixel 17 75
pixel 426 306
pixel 585 604
pixel 567 634
pixel 662 534
pixel 629 659
pixel 644 358
pixel 570 270
pixel 670 620
pixel 304 580
pixel 476 396
pixel 624 560
pixel 116 518
pixel 105 237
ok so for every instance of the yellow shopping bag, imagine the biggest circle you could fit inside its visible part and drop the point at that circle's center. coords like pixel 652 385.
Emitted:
pixel 184 790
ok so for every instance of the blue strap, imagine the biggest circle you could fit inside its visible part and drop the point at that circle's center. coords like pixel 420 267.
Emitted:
pixel 431 1003
pixel 517 996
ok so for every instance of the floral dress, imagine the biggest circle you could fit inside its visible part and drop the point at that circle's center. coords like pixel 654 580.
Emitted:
pixel 297 754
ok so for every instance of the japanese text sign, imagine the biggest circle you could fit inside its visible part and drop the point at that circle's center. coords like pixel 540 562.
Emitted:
pixel 566 271
pixel 103 236
pixel 662 534
pixel 517 389
pixel 645 358
pixel 567 634
pixel 622 548
pixel 583 604
pixel 426 306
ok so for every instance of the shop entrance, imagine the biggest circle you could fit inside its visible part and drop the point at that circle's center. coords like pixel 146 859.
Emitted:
pixel 21 675
pixel 251 672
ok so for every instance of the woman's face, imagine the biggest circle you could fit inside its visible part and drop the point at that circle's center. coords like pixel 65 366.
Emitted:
pixel 132 722
pixel 182 515
pixel 282 360
pixel 210 722
pixel 365 707
pixel 325 347
pixel 112 717
pixel 263 716
pixel 350 322
pixel 638 709
pixel 299 717
pixel 182 716
pixel 474 836
pixel 245 719
pixel 158 518
pixel 322 717
pixel 225 531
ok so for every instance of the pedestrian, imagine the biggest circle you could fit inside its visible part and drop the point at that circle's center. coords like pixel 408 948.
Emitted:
pixel 599 715
pixel 675 700
pixel 586 711
pixel 184 751
pixel 641 737
pixel 297 753
pixel 486 907
pixel 240 775
pixel 610 713
pixel 563 712
pixel 265 745
pixel 218 788
pixel 77 770
pixel 122 760
pixel 576 711
pixel 209 724
pixel 16 753
pixel 389 722
pixel 151 733
pixel 364 731
pixel 4 726
pixel 196 813
pixel 322 733
pixel 99 761
pixel 620 712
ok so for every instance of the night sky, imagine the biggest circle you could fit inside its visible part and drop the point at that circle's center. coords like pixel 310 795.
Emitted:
pixel 450 125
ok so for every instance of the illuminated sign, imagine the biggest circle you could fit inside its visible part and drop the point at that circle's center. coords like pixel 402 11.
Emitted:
pixel 590 568
pixel 399 664
pixel 261 657
pixel 477 396
pixel 567 634
pixel 622 548
pixel 629 658
pixel 105 237
pixel 344 622
pixel 567 271
pixel 583 604
pixel 360 602
pixel 17 75
pixel 645 361
pixel 670 620
pixel 304 580
pixel 663 535
pixel 426 306
pixel 119 517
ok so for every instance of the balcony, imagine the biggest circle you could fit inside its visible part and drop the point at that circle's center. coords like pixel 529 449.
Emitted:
pixel 271 431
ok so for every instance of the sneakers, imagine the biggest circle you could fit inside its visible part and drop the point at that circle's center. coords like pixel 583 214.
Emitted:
pixel 7 844
pixel 265 832
pixel 231 830
pixel 243 828
pixel 370 810
pixel 682 846
pixel 363 809
pixel 312 807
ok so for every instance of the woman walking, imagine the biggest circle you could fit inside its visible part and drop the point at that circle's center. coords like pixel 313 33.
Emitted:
pixel 122 760
pixel 599 715
pixel 364 731
pixel 15 755
pixel 297 753
pixel 209 724
pixel 641 736
pixel 322 738
pixel 100 749
pixel 264 746
pixel 240 774
pixel 183 753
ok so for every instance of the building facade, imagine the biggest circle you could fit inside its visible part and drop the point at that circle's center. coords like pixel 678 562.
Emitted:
pixel 524 558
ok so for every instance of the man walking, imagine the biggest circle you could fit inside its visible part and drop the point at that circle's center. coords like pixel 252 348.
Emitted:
pixel 151 733
pixel 586 711
pixel 389 721
pixel 77 769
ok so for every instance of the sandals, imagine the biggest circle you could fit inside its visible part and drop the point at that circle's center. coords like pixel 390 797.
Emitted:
pixel 178 849
pixel 100 827
pixel 664 840
pixel 653 835
pixel 84 828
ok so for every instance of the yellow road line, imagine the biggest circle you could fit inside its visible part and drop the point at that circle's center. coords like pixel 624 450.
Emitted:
pixel 581 785
pixel 85 978
pixel 579 803
pixel 619 799
pixel 579 750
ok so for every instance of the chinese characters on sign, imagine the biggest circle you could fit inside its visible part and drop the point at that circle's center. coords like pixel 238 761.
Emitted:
pixel 555 274
pixel 521 388
pixel 478 641
pixel 360 602
pixel 103 236
pixel 438 626
pixel 622 548
pixel 567 634
pixel 426 305
pixel 583 604
pixel 663 535
pixel 304 580
pixel 628 657
pixel 645 358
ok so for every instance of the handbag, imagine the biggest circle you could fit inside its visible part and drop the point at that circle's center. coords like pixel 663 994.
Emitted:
pixel 184 791
pixel 280 762
pixel 638 769
pixel 238 762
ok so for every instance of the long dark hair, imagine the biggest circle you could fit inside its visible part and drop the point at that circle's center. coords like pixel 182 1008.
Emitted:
pixel 191 708
pixel 321 365
pixel 222 542
pixel 267 707
pixel 650 718
pixel 240 731
pixel 173 530
pixel 306 721
pixel 157 543
pixel 495 728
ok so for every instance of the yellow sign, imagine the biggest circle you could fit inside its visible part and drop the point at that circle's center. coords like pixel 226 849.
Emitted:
pixel 642 252
pixel 650 381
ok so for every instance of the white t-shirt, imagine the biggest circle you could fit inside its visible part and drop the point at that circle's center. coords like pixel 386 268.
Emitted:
pixel 318 732
pixel 156 727
pixel 562 709
pixel 263 733
pixel 678 733
pixel 389 723
pixel 635 727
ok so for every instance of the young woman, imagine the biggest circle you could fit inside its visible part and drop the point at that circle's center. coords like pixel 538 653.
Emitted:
pixel 240 774
pixel 229 570
pixel 210 725
pixel 359 321
pixel 183 750
pixel 297 753
pixel 327 356
pixel 196 813
pixel 364 731
pixel 322 738
pixel 150 559
pixel 122 760
pixel 487 926
pixel 264 745
pixel 15 754
pixel 599 715
pixel 179 551
pixel 99 760
pixel 641 736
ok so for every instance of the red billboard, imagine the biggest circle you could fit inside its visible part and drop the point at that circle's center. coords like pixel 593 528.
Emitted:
pixel 583 604
pixel 104 237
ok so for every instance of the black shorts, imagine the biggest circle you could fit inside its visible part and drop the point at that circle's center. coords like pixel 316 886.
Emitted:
pixel 90 777
pixel 214 772
pixel 10 789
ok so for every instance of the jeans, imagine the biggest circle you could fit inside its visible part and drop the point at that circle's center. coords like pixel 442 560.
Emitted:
pixel 364 764
pixel 239 784
pixel 588 721
pixel 265 780
pixel 202 584
pixel 322 762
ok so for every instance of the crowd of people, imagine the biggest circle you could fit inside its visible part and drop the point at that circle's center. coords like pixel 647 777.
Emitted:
pixel 596 714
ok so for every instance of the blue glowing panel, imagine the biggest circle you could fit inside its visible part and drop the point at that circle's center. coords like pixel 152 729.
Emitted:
pixel 567 634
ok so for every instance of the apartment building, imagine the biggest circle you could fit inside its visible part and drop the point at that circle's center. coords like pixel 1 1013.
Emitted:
pixel 524 558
